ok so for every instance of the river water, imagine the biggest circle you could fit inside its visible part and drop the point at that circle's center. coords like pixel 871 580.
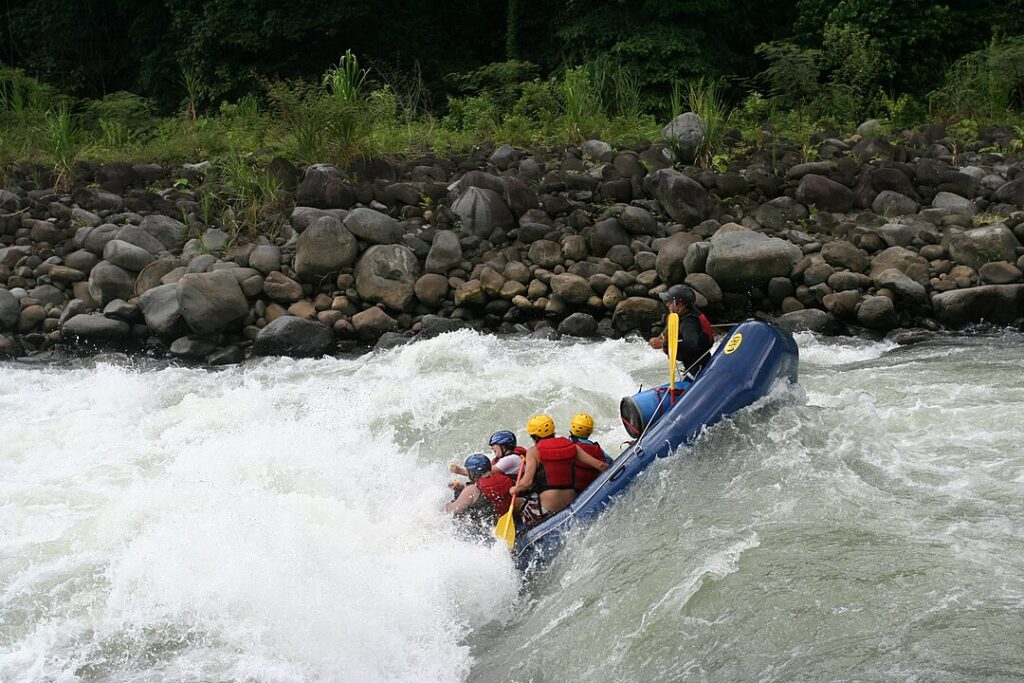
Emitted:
pixel 279 521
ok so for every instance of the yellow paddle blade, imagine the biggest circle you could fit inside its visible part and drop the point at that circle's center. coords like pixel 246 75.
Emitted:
pixel 673 347
pixel 506 529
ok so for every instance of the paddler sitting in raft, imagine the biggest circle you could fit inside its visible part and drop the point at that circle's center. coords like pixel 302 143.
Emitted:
pixel 488 494
pixel 549 482
pixel 507 454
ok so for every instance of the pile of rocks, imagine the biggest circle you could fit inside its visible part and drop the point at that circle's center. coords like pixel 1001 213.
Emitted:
pixel 875 233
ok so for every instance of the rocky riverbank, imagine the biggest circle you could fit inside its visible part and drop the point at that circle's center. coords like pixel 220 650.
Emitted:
pixel 876 232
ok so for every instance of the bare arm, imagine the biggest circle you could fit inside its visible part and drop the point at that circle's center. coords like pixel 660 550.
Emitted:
pixel 528 473
pixel 590 461
pixel 469 495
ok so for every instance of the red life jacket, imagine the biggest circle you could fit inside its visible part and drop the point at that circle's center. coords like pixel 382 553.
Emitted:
pixel 495 489
pixel 705 327
pixel 585 474
pixel 558 456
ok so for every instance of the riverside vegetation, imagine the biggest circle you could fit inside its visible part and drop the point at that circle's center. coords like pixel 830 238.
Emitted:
pixel 339 213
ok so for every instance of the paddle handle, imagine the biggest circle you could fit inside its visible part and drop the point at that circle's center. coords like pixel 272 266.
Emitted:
pixel 673 347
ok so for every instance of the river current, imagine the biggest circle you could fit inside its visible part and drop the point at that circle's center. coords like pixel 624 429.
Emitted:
pixel 280 521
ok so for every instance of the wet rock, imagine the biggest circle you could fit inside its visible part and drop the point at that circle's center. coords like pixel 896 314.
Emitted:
pixel 161 311
pixel 387 274
pixel 980 245
pixel 843 304
pixel 374 227
pixel 739 259
pixel 706 286
pixel 999 273
pixel 431 289
pixel 684 199
pixel 670 263
pixel 902 260
pixel 905 288
pixel 824 193
pixel 127 256
pixel 578 325
pixel 445 252
pixel 324 249
pixel 889 203
pixel 434 325
pixel 636 313
pixel 108 282
pixel 606 234
pixel 480 211
pixel 211 302
pixel 295 337
pixel 572 289
pixel 95 327
pixel 95 199
pixel 281 288
pixel 687 132
pixel 877 313
pixel 190 348
pixel 372 323
pixel 169 232
pixel 991 303
pixel 10 310
pixel 226 356
pixel 806 320
pixel 545 253
pixel 323 188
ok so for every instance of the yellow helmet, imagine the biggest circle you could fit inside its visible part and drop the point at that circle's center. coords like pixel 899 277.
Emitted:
pixel 582 425
pixel 540 426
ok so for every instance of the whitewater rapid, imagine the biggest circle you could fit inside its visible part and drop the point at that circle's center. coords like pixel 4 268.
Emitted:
pixel 280 521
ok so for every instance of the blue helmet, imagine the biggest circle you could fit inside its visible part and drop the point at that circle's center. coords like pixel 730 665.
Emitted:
pixel 478 464
pixel 504 438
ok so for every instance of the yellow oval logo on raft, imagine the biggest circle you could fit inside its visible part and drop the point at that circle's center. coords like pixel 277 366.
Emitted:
pixel 733 343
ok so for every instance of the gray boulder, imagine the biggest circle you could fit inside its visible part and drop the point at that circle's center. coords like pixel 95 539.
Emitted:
pixel 636 313
pixel 905 288
pixel 435 325
pixel 192 349
pixel 324 249
pixel 374 227
pixel 373 323
pixel 211 302
pixel 686 133
pixel 445 252
pixel 134 234
pixel 545 253
pixel 877 313
pixel 95 327
pixel 292 336
pixel 907 262
pixel 481 211
pixel 323 188
pixel 638 221
pixel 387 274
pixel 304 216
pixel 265 258
pixel 807 320
pixel 999 273
pixel 431 289
pixel 990 303
pixel 706 286
pixel 738 259
pixel 670 263
pixel 95 199
pixel 578 325
pixel 572 289
pixel 108 282
pixel 948 200
pixel 1012 192
pixel 824 193
pixel 281 288
pixel 889 203
pixel 696 258
pixel 978 246
pixel 10 310
pixel 126 255
pixel 161 311
pixel 683 198
pixel 169 232
pixel 606 234
pixel 95 239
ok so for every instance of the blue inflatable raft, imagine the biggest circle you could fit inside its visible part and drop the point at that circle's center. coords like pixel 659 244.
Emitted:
pixel 743 369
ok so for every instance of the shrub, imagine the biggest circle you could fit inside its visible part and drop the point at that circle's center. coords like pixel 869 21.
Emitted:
pixel 985 84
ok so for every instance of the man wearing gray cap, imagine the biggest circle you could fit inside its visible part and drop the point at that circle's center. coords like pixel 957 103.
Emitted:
pixel 695 335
